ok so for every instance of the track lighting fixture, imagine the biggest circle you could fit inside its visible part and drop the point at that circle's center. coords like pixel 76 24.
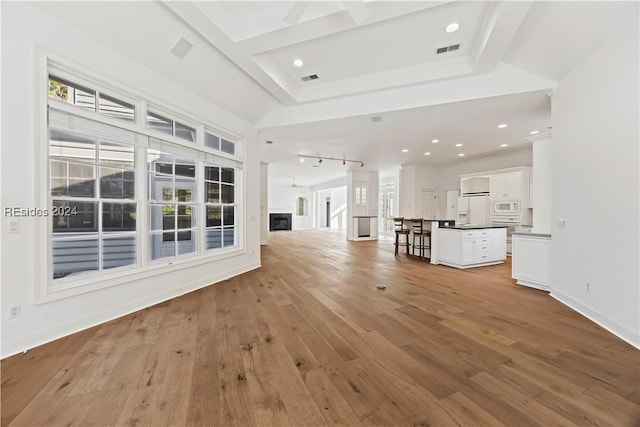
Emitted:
pixel 320 159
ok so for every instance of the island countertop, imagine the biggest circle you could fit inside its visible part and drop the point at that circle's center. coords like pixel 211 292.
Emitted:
pixel 472 227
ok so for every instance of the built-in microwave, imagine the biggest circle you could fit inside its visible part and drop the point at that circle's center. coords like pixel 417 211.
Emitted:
pixel 506 207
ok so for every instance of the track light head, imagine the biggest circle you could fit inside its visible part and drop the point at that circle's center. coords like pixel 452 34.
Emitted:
pixel 361 164
pixel 319 160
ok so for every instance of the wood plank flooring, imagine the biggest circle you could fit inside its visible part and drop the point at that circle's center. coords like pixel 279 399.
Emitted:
pixel 309 340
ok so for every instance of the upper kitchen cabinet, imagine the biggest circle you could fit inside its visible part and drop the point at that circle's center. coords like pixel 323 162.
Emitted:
pixel 474 185
pixel 512 185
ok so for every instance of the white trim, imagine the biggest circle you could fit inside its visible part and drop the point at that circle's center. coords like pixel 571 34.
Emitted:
pixel 599 319
pixel 44 336
pixel 84 284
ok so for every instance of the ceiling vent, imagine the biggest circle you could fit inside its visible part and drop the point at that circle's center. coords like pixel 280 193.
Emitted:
pixel 311 77
pixel 446 49
pixel 181 48
pixel 376 119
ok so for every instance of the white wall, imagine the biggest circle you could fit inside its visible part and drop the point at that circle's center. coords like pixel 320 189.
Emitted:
pixel 264 202
pixel 283 199
pixel 595 175
pixel 24 27
pixel 338 215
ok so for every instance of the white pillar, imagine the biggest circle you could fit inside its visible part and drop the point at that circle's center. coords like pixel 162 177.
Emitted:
pixel 541 185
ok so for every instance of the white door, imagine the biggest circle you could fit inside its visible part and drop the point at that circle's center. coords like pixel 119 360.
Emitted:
pixel 429 204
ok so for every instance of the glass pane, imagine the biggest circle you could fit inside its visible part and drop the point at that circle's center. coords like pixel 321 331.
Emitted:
pixel 161 248
pixel 212 141
pixel 160 188
pixel 186 170
pixel 113 107
pixel 73 93
pixel 227 193
pixel 186 242
pixel 164 168
pixel 229 215
pixel 214 216
pixel 185 132
pixel 111 154
pixel 70 216
pixel 118 217
pixel 159 123
pixel 72 257
pixel 228 175
pixel 212 192
pixel 212 173
pixel 163 217
pixel 228 237
pixel 72 165
pixel 213 238
pixel 118 251
pixel 227 147
pixel 186 216
pixel 117 183
pixel 183 194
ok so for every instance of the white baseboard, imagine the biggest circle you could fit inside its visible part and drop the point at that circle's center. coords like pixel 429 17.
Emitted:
pixel 26 343
pixel 601 320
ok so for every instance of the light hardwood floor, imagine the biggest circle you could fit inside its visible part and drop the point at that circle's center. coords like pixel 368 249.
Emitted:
pixel 309 340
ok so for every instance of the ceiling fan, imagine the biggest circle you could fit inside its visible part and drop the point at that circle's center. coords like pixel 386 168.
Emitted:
pixel 293 185
pixel 356 9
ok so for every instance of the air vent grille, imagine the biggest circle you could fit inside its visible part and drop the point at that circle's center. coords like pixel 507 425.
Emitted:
pixel 376 119
pixel 446 49
pixel 310 77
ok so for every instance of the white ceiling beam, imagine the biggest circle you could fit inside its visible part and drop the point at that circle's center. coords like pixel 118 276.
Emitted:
pixel 331 24
pixel 505 80
pixel 498 30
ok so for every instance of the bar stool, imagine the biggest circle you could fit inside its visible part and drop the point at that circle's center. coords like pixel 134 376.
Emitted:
pixel 401 230
pixel 422 235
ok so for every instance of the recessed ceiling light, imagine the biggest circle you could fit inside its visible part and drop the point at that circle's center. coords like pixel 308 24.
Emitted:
pixel 458 145
pixel 504 145
pixel 427 153
pixel 298 62
pixel 460 154
pixel 301 159
pixel 534 132
pixel 404 150
pixel 453 27
pixel 435 141
pixel 502 126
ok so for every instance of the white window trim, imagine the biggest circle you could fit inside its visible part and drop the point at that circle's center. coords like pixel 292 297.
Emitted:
pixel 46 290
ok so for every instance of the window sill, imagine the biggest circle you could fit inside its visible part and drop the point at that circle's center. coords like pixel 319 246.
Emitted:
pixel 84 284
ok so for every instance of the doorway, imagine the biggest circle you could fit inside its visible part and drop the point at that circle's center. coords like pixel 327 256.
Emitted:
pixel 428 201
pixel 328 213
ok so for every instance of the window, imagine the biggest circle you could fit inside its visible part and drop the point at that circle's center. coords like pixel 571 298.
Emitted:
pixel 171 127
pixel 94 220
pixel 72 93
pixel 101 173
pixel 220 198
pixel 218 143
pixel 303 206
pixel 360 192
pixel 172 185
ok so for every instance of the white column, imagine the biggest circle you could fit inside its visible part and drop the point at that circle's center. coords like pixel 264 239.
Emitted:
pixel 541 185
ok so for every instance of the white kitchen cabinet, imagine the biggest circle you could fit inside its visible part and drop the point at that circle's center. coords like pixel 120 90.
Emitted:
pixel 530 260
pixel 507 186
pixel 464 248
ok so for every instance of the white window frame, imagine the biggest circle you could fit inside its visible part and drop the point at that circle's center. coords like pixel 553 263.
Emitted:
pixel 46 289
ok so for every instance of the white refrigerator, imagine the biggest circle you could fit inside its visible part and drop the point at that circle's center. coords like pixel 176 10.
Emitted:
pixel 474 210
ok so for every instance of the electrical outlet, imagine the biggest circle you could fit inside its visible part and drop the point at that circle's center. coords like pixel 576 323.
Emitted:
pixel 14 312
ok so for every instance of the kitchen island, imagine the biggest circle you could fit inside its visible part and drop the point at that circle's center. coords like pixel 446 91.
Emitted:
pixel 530 261
pixel 468 245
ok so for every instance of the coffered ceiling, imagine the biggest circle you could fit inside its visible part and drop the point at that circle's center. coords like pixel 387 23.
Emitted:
pixel 372 59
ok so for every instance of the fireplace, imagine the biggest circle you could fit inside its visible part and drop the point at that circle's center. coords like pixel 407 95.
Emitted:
pixel 279 221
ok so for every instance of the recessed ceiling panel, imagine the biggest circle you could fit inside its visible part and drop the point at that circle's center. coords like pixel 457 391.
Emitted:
pixel 384 46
